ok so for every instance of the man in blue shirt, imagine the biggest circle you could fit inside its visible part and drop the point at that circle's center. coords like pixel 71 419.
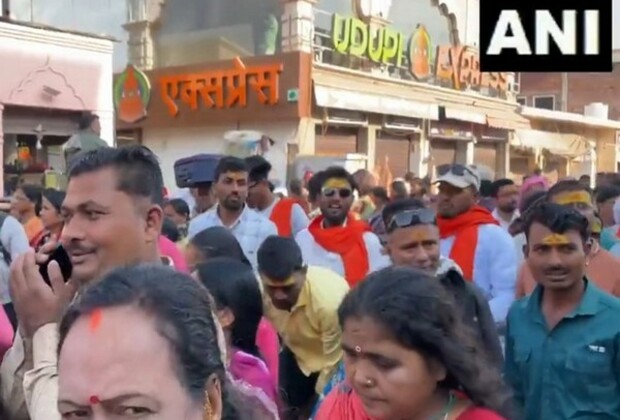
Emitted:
pixel 563 341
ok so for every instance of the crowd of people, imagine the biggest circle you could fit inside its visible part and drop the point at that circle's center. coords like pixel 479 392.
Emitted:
pixel 461 299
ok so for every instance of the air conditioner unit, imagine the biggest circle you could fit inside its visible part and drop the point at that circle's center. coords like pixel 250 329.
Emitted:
pixel 402 124
pixel 344 118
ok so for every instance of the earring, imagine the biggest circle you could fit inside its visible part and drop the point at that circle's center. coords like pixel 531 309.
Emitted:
pixel 208 410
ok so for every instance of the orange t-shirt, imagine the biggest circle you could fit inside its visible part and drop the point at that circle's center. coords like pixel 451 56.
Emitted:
pixel 603 270
pixel 33 228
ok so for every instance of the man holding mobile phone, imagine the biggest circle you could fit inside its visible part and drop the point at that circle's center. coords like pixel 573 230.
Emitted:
pixel 113 216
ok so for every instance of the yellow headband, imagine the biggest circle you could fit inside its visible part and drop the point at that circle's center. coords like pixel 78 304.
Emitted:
pixel 556 239
pixel 273 283
pixel 573 197
pixel 336 183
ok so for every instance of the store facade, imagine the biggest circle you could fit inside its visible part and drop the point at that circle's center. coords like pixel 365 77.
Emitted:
pixel 405 88
pixel 185 110
pixel 49 78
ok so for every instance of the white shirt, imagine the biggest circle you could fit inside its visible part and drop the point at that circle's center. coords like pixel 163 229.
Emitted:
pixel 503 223
pixel 299 219
pixel 315 254
pixel 250 229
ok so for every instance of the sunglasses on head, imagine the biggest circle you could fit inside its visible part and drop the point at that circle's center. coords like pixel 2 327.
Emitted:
pixel 408 218
pixel 456 169
pixel 342 192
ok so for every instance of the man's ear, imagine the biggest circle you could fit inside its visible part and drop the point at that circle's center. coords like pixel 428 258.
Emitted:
pixel 587 246
pixel 154 221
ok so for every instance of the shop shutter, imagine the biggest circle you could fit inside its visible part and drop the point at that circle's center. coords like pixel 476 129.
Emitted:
pixel 443 152
pixel 335 142
pixel 485 154
pixel 397 150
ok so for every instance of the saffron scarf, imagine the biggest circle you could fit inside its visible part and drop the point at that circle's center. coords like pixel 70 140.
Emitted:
pixel 281 217
pixel 346 241
pixel 464 228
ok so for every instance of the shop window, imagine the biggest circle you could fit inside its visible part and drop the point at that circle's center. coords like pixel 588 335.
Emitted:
pixel 544 102
pixel 212 30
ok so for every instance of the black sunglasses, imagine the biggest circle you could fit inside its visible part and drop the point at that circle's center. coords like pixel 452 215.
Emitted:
pixel 456 169
pixel 408 218
pixel 330 192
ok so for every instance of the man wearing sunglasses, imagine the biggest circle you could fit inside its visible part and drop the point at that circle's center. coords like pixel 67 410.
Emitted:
pixel 472 237
pixel 335 239
pixel 413 241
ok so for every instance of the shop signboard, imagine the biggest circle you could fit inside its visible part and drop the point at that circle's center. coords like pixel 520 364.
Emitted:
pixel 222 88
pixel 456 66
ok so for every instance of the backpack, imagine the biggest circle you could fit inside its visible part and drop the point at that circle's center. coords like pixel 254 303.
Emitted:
pixel 6 255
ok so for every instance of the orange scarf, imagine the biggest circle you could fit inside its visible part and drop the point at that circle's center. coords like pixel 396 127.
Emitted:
pixel 464 228
pixel 281 216
pixel 346 241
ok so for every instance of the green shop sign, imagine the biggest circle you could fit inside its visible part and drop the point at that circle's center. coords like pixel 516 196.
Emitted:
pixel 352 36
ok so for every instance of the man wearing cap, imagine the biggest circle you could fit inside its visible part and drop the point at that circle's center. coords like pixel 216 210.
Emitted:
pixel 288 216
pixel 471 237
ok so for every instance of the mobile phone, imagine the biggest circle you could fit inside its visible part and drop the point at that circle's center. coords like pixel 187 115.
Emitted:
pixel 64 261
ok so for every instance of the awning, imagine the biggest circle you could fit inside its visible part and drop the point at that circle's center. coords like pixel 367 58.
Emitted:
pixel 468 115
pixel 569 145
pixel 331 97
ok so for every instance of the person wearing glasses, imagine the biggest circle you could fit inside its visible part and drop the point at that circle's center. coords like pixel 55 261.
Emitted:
pixel 413 241
pixel 472 237
pixel 336 239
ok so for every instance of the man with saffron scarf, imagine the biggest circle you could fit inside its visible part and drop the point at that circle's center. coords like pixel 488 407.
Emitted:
pixel 473 238
pixel 335 239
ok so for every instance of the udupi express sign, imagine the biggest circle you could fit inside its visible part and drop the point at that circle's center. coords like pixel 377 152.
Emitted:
pixel 455 65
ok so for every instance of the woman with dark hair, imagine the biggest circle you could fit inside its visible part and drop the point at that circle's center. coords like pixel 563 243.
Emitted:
pixel 408 355
pixel 53 222
pixel 239 309
pixel 143 342
pixel 216 241
pixel 25 207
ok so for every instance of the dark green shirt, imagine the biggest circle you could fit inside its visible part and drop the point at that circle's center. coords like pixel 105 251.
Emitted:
pixel 573 371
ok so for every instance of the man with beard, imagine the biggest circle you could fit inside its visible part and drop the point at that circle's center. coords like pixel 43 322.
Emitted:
pixel 506 196
pixel 335 239
pixel 231 189
pixel 472 238
pixel 113 216
pixel 603 269
pixel 413 241
pixel 563 341
pixel 302 303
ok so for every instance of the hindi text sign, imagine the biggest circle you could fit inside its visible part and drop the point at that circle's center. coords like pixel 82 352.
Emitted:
pixel 222 88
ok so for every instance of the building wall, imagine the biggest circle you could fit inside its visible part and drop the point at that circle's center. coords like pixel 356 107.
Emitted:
pixel 79 68
pixel 583 89
pixel 171 144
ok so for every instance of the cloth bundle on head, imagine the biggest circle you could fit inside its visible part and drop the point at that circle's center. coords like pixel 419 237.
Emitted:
pixel 531 182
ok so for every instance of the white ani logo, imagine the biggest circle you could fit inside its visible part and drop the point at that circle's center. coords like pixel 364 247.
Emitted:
pixel 564 35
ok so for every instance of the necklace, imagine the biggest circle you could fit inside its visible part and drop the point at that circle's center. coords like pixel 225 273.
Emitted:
pixel 443 415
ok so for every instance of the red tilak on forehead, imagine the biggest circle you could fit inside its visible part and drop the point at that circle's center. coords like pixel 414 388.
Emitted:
pixel 94 400
pixel 95 320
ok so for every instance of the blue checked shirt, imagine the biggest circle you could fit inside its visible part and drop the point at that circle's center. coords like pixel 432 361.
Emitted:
pixel 250 229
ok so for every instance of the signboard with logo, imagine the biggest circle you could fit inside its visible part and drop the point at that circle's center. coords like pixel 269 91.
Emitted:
pixel 455 66
pixel 132 94
pixel 252 88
